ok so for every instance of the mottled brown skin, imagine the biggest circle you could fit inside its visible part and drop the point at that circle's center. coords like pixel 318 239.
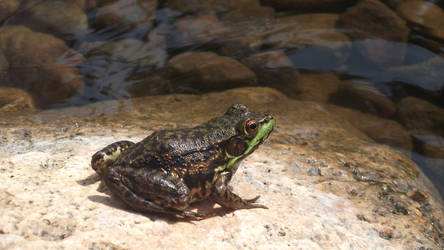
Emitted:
pixel 170 169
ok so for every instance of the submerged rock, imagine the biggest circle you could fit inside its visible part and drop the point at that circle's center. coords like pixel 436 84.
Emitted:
pixel 380 32
pixel 303 4
pixel 14 99
pixel 50 75
pixel 63 19
pixel 419 115
pixel 206 71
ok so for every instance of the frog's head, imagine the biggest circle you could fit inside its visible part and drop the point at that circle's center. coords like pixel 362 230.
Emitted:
pixel 251 130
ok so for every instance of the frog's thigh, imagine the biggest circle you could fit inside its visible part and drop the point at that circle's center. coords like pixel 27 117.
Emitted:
pixel 107 155
pixel 226 198
pixel 148 190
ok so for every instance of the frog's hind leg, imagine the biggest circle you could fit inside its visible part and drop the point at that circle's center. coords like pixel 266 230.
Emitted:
pixel 106 156
pixel 151 192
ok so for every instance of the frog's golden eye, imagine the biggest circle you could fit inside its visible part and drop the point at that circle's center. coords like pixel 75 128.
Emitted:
pixel 251 128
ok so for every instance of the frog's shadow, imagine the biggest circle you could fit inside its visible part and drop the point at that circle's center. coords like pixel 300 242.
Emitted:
pixel 204 207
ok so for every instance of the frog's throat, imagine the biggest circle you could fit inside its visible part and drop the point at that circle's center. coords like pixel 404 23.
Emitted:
pixel 262 134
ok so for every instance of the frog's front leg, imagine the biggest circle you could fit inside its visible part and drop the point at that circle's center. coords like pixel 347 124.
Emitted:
pixel 226 198
pixel 150 191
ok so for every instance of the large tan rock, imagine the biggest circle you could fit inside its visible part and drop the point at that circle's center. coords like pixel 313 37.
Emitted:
pixel 327 185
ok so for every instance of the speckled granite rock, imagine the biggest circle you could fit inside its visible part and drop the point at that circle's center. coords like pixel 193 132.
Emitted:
pixel 326 184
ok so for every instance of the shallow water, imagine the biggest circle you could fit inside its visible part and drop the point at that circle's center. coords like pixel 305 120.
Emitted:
pixel 368 57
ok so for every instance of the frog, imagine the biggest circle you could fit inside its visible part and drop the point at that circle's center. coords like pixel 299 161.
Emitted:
pixel 173 168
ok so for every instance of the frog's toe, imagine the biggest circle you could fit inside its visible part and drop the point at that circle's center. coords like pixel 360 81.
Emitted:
pixel 196 215
pixel 253 200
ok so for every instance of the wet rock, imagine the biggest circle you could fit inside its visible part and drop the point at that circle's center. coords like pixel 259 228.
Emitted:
pixel 274 69
pixel 364 96
pixel 315 169
pixel 317 87
pixel 65 20
pixel 7 8
pixel 14 99
pixel 195 32
pixel 126 15
pixel 113 66
pixel 249 13
pixel 149 84
pixel 50 75
pixel 419 115
pixel 207 71
pixel 303 4
pixel 423 16
pixel 379 129
pixel 207 6
pixel 427 75
pixel 311 33
pixel 380 32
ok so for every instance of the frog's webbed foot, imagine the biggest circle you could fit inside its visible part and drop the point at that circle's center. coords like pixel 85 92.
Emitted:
pixel 226 198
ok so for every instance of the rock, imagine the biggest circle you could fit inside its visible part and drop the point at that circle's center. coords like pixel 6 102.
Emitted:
pixel 317 87
pixel 126 15
pixel 195 32
pixel 423 14
pixel 313 34
pixel 419 115
pixel 204 7
pixel 50 75
pixel 63 19
pixel 303 4
pixel 274 69
pixel 381 34
pixel 427 75
pixel 14 99
pixel 315 171
pixel 149 84
pixel 379 129
pixel 250 13
pixel 206 71
pixel 7 8
pixel 364 96
pixel 114 66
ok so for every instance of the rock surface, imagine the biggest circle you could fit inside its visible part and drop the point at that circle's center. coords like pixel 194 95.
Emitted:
pixel 326 184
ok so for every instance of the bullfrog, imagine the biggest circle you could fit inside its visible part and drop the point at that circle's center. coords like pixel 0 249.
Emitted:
pixel 173 168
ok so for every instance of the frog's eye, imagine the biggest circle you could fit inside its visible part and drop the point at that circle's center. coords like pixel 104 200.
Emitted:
pixel 251 128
